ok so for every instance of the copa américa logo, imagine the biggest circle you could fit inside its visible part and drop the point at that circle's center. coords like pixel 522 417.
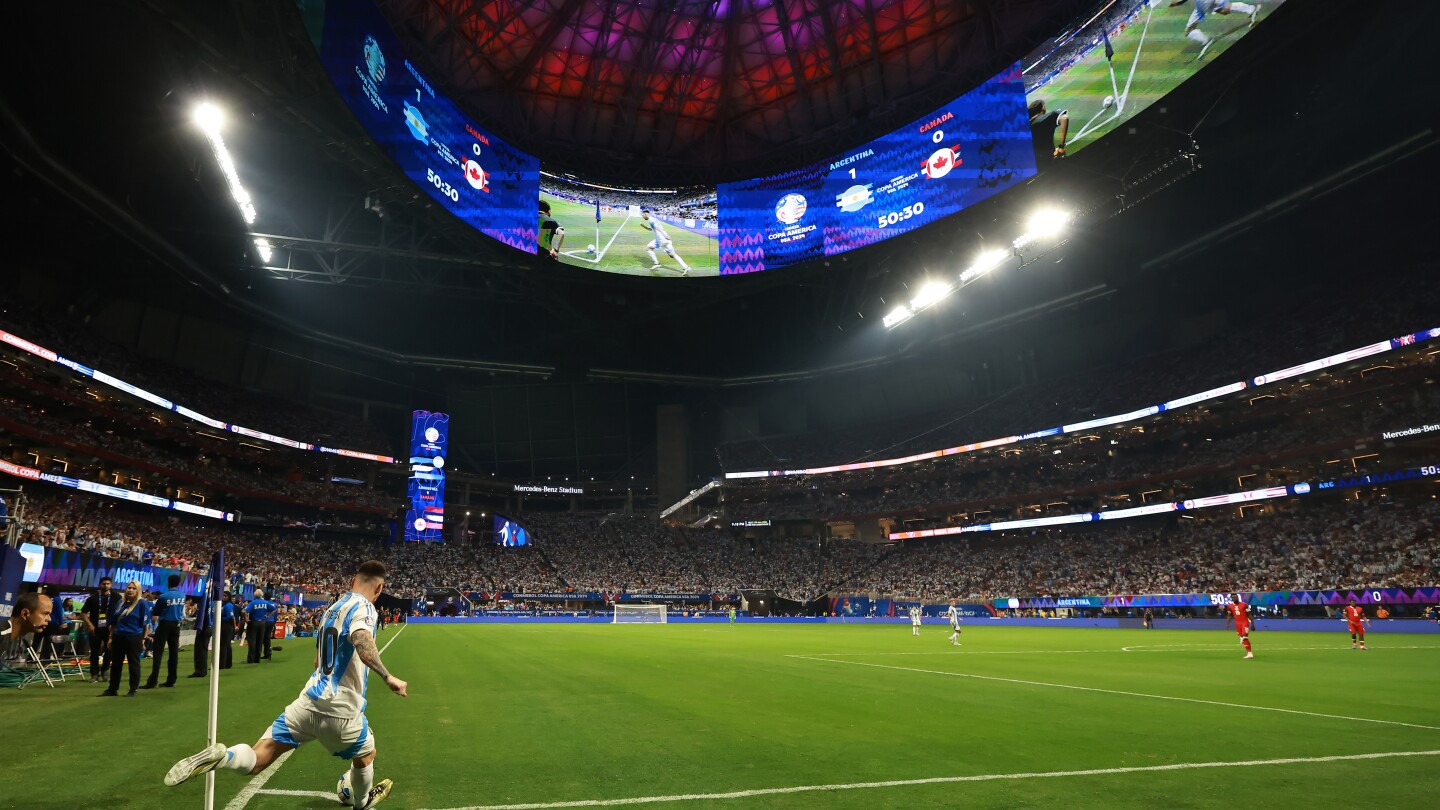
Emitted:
pixel 790 209
pixel 374 60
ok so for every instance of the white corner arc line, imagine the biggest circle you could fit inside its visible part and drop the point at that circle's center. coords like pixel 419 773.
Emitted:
pixel 257 784
pixel 1123 692
pixel 253 786
pixel 319 794
pixel 938 780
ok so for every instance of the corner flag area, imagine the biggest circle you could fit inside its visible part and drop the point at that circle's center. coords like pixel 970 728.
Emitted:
pixel 691 716
pixel 620 242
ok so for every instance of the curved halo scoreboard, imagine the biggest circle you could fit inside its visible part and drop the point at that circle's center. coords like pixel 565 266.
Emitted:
pixel 1088 80
pixel 479 178
pixel 973 147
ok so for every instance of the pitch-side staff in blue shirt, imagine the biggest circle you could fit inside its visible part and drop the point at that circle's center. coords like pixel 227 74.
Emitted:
pixel 170 608
pixel 129 634
pixel 262 627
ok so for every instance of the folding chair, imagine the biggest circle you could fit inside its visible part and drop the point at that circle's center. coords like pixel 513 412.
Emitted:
pixel 34 669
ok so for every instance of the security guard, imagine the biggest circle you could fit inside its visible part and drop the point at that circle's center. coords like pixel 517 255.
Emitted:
pixel 170 609
pixel 261 612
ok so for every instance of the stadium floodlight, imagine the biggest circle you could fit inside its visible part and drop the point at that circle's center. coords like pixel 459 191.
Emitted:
pixel 209 117
pixel 1046 223
pixel 897 316
pixel 262 246
pixel 931 292
pixel 984 263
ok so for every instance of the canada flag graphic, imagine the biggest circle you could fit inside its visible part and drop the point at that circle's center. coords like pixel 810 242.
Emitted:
pixel 942 161
pixel 475 176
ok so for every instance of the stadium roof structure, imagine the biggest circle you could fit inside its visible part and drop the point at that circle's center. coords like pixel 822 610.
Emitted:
pixel 716 88
pixel 126 176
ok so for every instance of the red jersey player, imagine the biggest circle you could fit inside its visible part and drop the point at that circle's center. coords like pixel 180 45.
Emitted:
pixel 1355 617
pixel 1239 612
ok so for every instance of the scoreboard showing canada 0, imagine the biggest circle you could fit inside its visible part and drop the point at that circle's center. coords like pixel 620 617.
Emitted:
pixel 470 172
pixel 972 148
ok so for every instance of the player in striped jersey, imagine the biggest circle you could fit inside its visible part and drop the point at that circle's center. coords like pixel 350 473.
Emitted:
pixel 661 241
pixel 954 615
pixel 331 708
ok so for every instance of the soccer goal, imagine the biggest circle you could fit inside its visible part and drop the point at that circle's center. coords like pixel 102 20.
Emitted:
pixel 639 614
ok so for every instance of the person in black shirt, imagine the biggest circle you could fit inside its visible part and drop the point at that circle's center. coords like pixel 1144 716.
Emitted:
pixel 99 616
pixel 1045 126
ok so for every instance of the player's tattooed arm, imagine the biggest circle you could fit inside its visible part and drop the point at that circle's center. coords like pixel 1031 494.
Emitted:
pixel 364 642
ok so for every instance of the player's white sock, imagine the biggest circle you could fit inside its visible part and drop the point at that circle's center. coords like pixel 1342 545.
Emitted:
pixel 1196 35
pixel 240 758
pixel 651 254
pixel 361 780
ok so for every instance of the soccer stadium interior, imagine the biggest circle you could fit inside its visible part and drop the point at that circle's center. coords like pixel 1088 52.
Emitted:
pixel 999 403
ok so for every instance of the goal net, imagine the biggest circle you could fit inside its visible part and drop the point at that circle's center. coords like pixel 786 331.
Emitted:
pixel 639 614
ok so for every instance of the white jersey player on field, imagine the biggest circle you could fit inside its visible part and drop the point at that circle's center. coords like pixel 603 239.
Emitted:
pixel 331 708
pixel 953 614
pixel 1204 8
pixel 661 241
pixel 915 621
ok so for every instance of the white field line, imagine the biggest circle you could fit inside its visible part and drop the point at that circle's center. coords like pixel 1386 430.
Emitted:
pixel 1133 648
pixel 257 784
pixel 253 786
pixel 938 780
pixel 392 638
pixel 1121 692
pixel 319 794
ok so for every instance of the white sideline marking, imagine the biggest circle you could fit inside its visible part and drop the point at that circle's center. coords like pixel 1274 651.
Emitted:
pixel 392 638
pixel 1121 692
pixel 256 784
pixel 987 777
pixel 1133 648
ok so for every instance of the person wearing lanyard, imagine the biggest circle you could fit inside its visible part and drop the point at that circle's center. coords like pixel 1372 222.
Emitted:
pixel 170 608
pixel 98 613
pixel 131 619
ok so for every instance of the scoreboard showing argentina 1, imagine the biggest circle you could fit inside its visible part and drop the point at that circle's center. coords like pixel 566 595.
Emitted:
pixel 975 146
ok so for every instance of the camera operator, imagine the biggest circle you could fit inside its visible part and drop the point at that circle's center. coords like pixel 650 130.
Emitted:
pixel 30 616
pixel 98 613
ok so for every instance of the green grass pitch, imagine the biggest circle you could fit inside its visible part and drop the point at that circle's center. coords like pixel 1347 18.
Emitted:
pixel 626 253
pixel 542 714
pixel 1166 59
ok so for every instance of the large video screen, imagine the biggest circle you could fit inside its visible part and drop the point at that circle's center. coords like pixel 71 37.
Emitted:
pixel 1121 57
pixel 479 178
pixel 425 513
pixel 962 153
pixel 1097 74
pixel 672 232
pixel 510 534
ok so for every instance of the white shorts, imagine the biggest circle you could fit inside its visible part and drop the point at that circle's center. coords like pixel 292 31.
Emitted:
pixel 665 245
pixel 345 737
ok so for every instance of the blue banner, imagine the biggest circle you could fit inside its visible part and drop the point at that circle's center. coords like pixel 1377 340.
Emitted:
pixel 55 566
pixel 429 439
pixel 1371 596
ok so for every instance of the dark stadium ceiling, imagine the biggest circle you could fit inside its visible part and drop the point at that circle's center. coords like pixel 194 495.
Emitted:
pixel 714 87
